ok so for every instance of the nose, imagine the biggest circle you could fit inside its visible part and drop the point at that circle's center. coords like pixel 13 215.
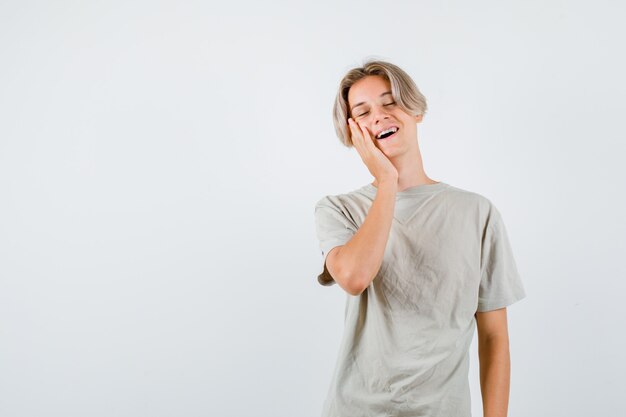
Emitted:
pixel 379 113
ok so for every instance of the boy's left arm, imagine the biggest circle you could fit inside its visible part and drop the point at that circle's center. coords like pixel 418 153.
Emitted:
pixel 494 358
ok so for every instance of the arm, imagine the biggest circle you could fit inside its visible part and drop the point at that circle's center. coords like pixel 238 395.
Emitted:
pixel 355 264
pixel 494 358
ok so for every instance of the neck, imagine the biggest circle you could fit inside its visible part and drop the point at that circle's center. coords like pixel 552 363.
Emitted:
pixel 410 169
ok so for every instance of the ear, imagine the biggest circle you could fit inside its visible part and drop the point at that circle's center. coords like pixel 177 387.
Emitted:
pixel 419 117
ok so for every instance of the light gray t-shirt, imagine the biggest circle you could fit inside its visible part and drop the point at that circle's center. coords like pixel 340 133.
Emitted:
pixel 405 348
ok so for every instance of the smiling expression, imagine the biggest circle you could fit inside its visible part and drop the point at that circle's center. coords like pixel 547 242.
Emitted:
pixel 372 105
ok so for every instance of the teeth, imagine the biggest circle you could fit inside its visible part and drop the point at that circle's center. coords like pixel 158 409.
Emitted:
pixel 391 129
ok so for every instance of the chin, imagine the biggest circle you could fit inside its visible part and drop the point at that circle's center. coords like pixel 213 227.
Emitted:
pixel 392 147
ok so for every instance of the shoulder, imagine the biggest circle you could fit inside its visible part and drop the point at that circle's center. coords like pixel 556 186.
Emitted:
pixel 478 206
pixel 343 200
pixel 471 198
pixel 332 200
pixel 336 203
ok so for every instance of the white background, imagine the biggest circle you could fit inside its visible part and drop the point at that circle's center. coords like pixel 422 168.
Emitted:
pixel 159 164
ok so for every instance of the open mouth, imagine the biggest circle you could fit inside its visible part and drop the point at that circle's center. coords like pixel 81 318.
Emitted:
pixel 387 134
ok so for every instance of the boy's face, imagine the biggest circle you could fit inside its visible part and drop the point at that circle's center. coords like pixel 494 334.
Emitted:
pixel 371 105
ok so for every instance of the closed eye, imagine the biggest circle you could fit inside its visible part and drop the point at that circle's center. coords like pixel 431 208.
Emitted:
pixel 388 104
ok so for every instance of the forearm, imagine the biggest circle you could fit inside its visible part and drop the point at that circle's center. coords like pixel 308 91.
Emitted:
pixel 495 372
pixel 362 255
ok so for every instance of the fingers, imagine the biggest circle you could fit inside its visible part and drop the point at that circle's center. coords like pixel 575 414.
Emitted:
pixel 355 134
pixel 360 134
pixel 366 135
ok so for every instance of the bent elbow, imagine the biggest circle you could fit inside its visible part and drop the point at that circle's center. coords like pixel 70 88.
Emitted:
pixel 354 290
pixel 354 286
pixel 358 291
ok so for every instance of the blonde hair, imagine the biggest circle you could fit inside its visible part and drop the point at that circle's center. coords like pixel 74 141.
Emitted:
pixel 403 90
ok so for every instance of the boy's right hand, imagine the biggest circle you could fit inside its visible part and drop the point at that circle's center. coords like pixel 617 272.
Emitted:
pixel 376 161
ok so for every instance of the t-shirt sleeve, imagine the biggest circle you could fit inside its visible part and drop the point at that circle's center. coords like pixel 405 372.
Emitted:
pixel 333 228
pixel 500 282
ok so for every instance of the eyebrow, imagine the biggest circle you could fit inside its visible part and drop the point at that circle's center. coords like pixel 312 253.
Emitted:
pixel 361 103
